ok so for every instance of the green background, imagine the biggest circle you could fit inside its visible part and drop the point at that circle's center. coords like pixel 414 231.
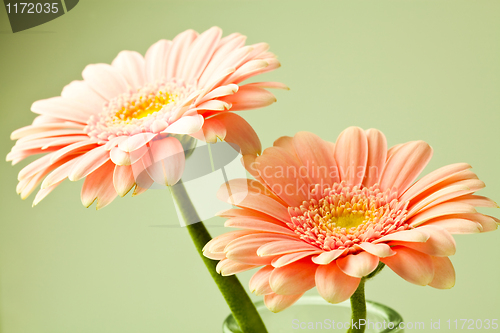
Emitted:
pixel 425 70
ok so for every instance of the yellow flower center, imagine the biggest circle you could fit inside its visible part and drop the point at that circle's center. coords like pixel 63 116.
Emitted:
pixel 144 105
pixel 342 214
pixel 347 220
pixel 135 111
pixel 340 217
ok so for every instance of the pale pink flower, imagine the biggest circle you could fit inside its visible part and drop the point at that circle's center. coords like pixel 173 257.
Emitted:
pixel 325 214
pixel 100 128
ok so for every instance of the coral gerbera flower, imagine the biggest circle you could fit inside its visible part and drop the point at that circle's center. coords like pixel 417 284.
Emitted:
pixel 100 128
pixel 325 215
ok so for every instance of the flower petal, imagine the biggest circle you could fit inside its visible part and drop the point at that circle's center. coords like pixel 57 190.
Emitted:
pixel 250 163
pixel 123 179
pixel 155 64
pixel 258 225
pixel 286 142
pixel 132 66
pixel 34 129
pixel 227 267
pixel 244 249
pixel 240 133
pixel 186 125
pixel 351 154
pixel 444 273
pixel 165 160
pixel 412 235
pixel 334 285
pixel 272 64
pixel 381 250
pixel 413 266
pixel 445 194
pixel 158 125
pixel 276 303
pixel 275 85
pixel 237 212
pixel 35 167
pixel 377 154
pixel 105 80
pixel 200 53
pixel 59 174
pixel 248 68
pixel 73 148
pixel 217 244
pixel 136 141
pixel 181 45
pixel 404 166
pixel 456 225
pixel 27 185
pixel 99 185
pixel 317 156
pixel 476 201
pixel 119 157
pixel 219 92
pixel 295 278
pixel 43 145
pixel 81 91
pixel 54 134
pixel 231 46
pixel 433 178
pixel 212 131
pixel 489 223
pixel 446 208
pixel 262 204
pixel 282 174
pixel 115 141
pixel 358 265
pixel 63 108
pixel 259 283
pixel 240 187
pixel 249 98
pixel 440 242
pixel 42 193
pixel 214 105
pixel 284 247
pixel 89 162
pixel 292 257
pixel 326 258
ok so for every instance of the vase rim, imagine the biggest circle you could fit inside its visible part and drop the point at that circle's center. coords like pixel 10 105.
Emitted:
pixel 372 307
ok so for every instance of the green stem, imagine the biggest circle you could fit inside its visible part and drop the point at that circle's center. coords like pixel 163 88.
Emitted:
pixel 358 308
pixel 240 304
pixel 377 270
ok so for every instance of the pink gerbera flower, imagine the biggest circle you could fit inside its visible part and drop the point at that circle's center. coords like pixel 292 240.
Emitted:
pixel 326 214
pixel 101 128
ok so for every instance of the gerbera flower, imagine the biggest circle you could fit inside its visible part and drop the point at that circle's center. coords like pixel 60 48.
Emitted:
pixel 100 128
pixel 326 214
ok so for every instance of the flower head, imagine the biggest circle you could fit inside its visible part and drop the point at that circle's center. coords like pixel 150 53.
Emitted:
pixel 327 214
pixel 123 118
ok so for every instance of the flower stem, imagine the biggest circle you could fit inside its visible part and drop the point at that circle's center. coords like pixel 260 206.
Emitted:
pixel 240 304
pixel 358 308
pixel 377 270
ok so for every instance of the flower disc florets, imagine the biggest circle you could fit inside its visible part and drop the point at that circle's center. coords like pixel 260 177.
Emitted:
pixel 340 216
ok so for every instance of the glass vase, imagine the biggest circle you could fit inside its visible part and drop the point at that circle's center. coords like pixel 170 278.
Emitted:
pixel 314 314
